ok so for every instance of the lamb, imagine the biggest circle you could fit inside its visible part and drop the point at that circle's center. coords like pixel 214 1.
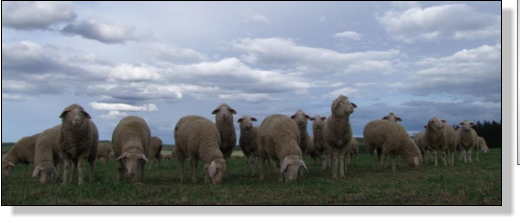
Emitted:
pixel 154 150
pixel 224 122
pixel 482 145
pixel 338 133
pixel 131 139
pixel 103 152
pixel 353 150
pixel 301 120
pixel 278 139
pixel 318 123
pixel 21 152
pixel 468 139
pixel 47 155
pixel 248 142
pixel 197 138
pixel 392 138
pixel 78 141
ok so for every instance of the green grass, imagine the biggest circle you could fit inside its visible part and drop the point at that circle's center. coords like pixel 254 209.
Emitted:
pixel 464 184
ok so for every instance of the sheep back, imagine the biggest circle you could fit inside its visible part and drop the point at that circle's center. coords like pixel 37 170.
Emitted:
pixel 132 132
pixel 278 137
pixel 197 136
pixel 155 147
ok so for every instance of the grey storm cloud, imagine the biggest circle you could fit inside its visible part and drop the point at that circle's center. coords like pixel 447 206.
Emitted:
pixel 102 30
pixel 33 15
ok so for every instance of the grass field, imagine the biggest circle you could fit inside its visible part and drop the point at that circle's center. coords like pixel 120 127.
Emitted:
pixel 464 184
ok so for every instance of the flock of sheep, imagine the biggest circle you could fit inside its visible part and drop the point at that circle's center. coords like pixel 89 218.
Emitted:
pixel 279 138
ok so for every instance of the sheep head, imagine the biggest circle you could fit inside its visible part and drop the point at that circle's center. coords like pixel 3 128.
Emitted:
pixel 301 119
pixel 7 167
pixel 224 113
pixel 391 117
pixel 342 107
pixel 466 125
pixel 216 170
pixel 291 167
pixel 246 122
pixel 435 124
pixel 74 116
pixel 47 173
pixel 132 160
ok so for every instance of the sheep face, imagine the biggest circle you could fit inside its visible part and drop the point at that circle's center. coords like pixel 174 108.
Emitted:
pixel 132 161
pixel 224 112
pixel 466 125
pixel 74 116
pixel 217 170
pixel 46 173
pixel 246 122
pixel 291 167
pixel 318 121
pixel 435 124
pixel 7 168
pixel 391 117
pixel 342 107
pixel 301 119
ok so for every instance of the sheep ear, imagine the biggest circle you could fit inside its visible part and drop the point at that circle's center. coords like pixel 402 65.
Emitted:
pixel 64 113
pixel 471 124
pixel 306 116
pixel 284 164
pixel 323 118
pixel 121 156
pixel 312 119
pixel 355 106
pixel 385 118
pixel 398 119
pixel 144 158
pixel 253 119
pixel 212 170
pixel 233 111
pixel 293 116
pixel 443 121
pixel 36 171
pixel 425 127
pixel 304 166
pixel 461 124
pixel 215 111
pixel 239 120
pixel 86 114
pixel 11 164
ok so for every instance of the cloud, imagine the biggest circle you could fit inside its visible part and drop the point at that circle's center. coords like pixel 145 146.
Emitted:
pixel 322 19
pixel 114 114
pixel 129 72
pixel 348 35
pixel 248 18
pixel 451 21
pixel 102 30
pixel 36 15
pixel 406 4
pixel 121 107
pixel 248 97
pixel 282 52
pixel 11 97
pixel 171 53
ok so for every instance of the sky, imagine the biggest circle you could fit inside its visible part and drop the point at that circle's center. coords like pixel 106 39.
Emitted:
pixel 165 60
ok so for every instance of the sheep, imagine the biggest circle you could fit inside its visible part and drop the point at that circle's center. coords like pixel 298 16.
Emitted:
pixel 338 133
pixel 47 155
pixel 198 138
pixel 278 139
pixel 353 150
pixel 131 139
pixel 301 121
pixel 318 123
pixel 392 138
pixel 21 152
pixel 248 142
pixel 78 141
pixel 482 145
pixel 168 156
pixel 452 141
pixel 224 122
pixel 468 139
pixel 391 117
pixel 154 151
pixel 103 152
pixel 418 140
pixel 311 151
pixel 435 138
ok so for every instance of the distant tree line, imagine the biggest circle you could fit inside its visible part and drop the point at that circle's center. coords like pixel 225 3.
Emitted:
pixel 490 131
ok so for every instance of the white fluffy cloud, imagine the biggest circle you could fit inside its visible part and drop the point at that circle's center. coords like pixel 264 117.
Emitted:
pixel 348 35
pixel 114 114
pixel 248 18
pixel 129 72
pixel 450 21
pixel 102 30
pixel 11 97
pixel 121 107
pixel 174 54
pixel 248 97
pixel 31 15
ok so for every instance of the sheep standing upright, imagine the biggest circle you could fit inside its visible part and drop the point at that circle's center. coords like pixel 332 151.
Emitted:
pixel 468 140
pixel 131 139
pixel 103 152
pixel 21 152
pixel 392 138
pixel 435 138
pixel 301 121
pixel 318 123
pixel 248 142
pixel 78 141
pixel 278 138
pixel 154 151
pixel 311 151
pixel 338 133
pixel 451 142
pixel 197 138
pixel 353 150
pixel 224 122
pixel 46 155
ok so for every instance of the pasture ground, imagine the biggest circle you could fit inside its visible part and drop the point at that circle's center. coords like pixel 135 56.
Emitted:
pixel 464 184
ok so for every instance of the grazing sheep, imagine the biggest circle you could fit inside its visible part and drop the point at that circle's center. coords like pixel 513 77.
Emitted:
pixel 353 150
pixel 435 138
pixel 168 157
pixel 482 145
pixel 78 141
pixel 131 139
pixel 47 155
pixel 311 151
pixel 452 141
pixel 338 133
pixel 278 139
pixel 318 123
pixel 391 117
pixel 103 152
pixel 197 138
pixel 248 142
pixel 468 139
pixel 391 138
pixel 154 151
pixel 418 140
pixel 301 121
pixel 21 152
pixel 224 122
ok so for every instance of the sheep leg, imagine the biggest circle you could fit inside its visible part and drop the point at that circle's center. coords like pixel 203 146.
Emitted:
pixel 348 158
pixel 261 163
pixel 435 151
pixel 181 168
pixel 66 169
pixel 253 158
pixel 91 175
pixel 159 160
pixel 121 171
pixel 81 170
pixel 453 158
pixel 382 162
pixel 74 170
pixel 323 162
pixel 394 159
pixel 248 167
pixel 470 153
pixel 194 164
pixel 476 151
pixel 345 161
pixel 443 155
pixel 142 172
pixel 335 165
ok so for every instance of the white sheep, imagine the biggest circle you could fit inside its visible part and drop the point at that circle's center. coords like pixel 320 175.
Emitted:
pixel 391 117
pixel 318 123
pixel 22 152
pixel 248 142
pixel 418 140
pixel 353 150
pixel 468 140
pixel 452 141
pixel 103 152
pixel 278 140
pixel 338 133
pixel 436 138
pixel 197 138
pixel 482 145
pixel 46 155
pixel 131 139
pixel 301 121
pixel 154 151
pixel 392 138
pixel 224 122
pixel 78 139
